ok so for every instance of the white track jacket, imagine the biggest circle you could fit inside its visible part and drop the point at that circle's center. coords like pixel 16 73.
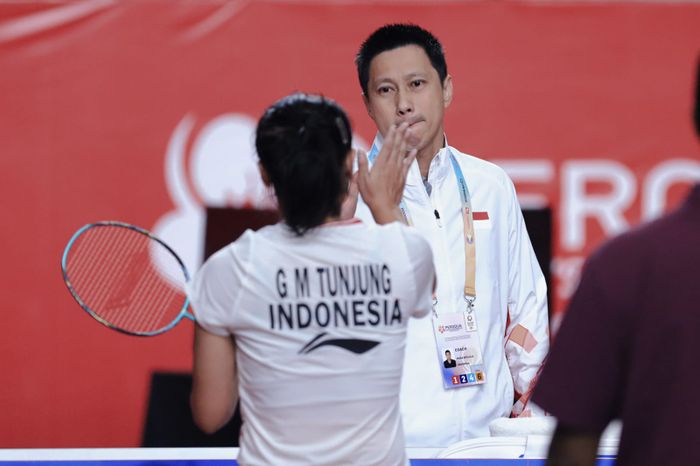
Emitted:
pixel 511 302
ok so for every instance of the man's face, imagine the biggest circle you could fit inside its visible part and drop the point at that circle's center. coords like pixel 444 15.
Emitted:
pixel 404 86
pixel 448 355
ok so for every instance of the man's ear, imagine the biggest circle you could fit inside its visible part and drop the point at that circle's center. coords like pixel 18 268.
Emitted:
pixel 365 99
pixel 263 174
pixel 447 91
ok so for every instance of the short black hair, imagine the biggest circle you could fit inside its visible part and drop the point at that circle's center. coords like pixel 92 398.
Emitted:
pixel 393 36
pixel 303 141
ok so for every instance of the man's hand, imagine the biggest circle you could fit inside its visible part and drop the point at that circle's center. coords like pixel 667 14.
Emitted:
pixel 382 187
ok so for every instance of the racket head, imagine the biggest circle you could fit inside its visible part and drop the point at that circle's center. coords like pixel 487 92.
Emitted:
pixel 126 278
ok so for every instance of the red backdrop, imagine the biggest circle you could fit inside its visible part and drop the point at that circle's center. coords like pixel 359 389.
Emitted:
pixel 124 110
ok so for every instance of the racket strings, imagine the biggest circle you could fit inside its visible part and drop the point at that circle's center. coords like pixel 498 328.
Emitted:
pixel 152 292
pixel 105 262
pixel 164 301
pixel 100 267
pixel 81 260
pixel 112 271
pixel 92 252
pixel 119 308
pixel 143 300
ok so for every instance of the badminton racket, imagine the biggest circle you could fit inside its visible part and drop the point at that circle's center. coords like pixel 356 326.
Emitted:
pixel 126 278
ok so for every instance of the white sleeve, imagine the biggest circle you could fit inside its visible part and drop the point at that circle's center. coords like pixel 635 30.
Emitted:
pixel 527 335
pixel 420 258
pixel 214 290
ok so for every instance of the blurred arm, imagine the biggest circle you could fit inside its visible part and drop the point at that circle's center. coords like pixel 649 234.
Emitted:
pixel 573 447
pixel 214 380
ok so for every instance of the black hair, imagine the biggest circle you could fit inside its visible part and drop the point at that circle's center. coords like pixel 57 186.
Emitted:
pixel 392 36
pixel 303 141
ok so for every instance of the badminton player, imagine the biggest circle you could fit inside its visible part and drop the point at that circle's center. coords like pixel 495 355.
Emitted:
pixel 306 320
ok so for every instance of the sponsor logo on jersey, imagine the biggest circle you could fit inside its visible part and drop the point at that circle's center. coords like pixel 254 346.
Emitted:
pixel 354 345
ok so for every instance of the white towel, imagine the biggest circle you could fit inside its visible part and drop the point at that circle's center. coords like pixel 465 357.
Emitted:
pixel 522 426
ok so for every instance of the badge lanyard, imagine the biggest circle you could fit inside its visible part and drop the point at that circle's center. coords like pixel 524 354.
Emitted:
pixel 457 331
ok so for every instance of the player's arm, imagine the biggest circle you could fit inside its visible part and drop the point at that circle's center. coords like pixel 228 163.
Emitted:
pixel 573 447
pixel 214 382
pixel 527 335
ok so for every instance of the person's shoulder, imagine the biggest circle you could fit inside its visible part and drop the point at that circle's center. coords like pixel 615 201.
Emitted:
pixel 621 264
pixel 229 261
pixel 273 233
pixel 235 248
pixel 417 245
pixel 642 237
pixel 240 249
pixel 481 167
pixel 629 247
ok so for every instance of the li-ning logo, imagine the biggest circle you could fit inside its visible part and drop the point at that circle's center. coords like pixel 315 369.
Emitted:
pixel 449 328
pixel 355 345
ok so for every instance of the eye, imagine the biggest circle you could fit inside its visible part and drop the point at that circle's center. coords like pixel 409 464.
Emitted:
pixel 382 90
pixel 417 83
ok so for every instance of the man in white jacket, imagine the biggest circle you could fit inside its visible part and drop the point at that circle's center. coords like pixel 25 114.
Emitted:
pixel 490 308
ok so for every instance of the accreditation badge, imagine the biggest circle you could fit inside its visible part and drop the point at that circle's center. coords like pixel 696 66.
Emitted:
pixel 459 349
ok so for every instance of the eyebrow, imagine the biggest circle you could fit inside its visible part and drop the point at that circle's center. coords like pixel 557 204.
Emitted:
pixel 408 77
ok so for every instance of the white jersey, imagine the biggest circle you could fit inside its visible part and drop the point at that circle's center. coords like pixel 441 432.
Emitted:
pixel 320 325
pixel 511 302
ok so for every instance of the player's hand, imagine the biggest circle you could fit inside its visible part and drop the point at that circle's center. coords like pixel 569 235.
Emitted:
pixel 382 187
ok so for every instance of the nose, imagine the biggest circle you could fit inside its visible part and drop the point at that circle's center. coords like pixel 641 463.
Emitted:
pixel 404 105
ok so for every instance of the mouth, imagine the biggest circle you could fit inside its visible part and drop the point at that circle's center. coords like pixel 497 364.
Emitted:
pixel 411 121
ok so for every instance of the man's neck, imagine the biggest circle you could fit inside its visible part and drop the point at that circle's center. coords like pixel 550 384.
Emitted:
pixel 424 164
pixel 426 156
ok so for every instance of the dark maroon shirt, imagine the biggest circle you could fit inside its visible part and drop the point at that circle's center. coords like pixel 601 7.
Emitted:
pixel 629 344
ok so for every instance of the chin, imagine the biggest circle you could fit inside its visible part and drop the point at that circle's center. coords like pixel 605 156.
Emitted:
pixel 410 147
pixel 414 143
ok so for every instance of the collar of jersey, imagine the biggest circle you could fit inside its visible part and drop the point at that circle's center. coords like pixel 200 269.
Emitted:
pixel 341 223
